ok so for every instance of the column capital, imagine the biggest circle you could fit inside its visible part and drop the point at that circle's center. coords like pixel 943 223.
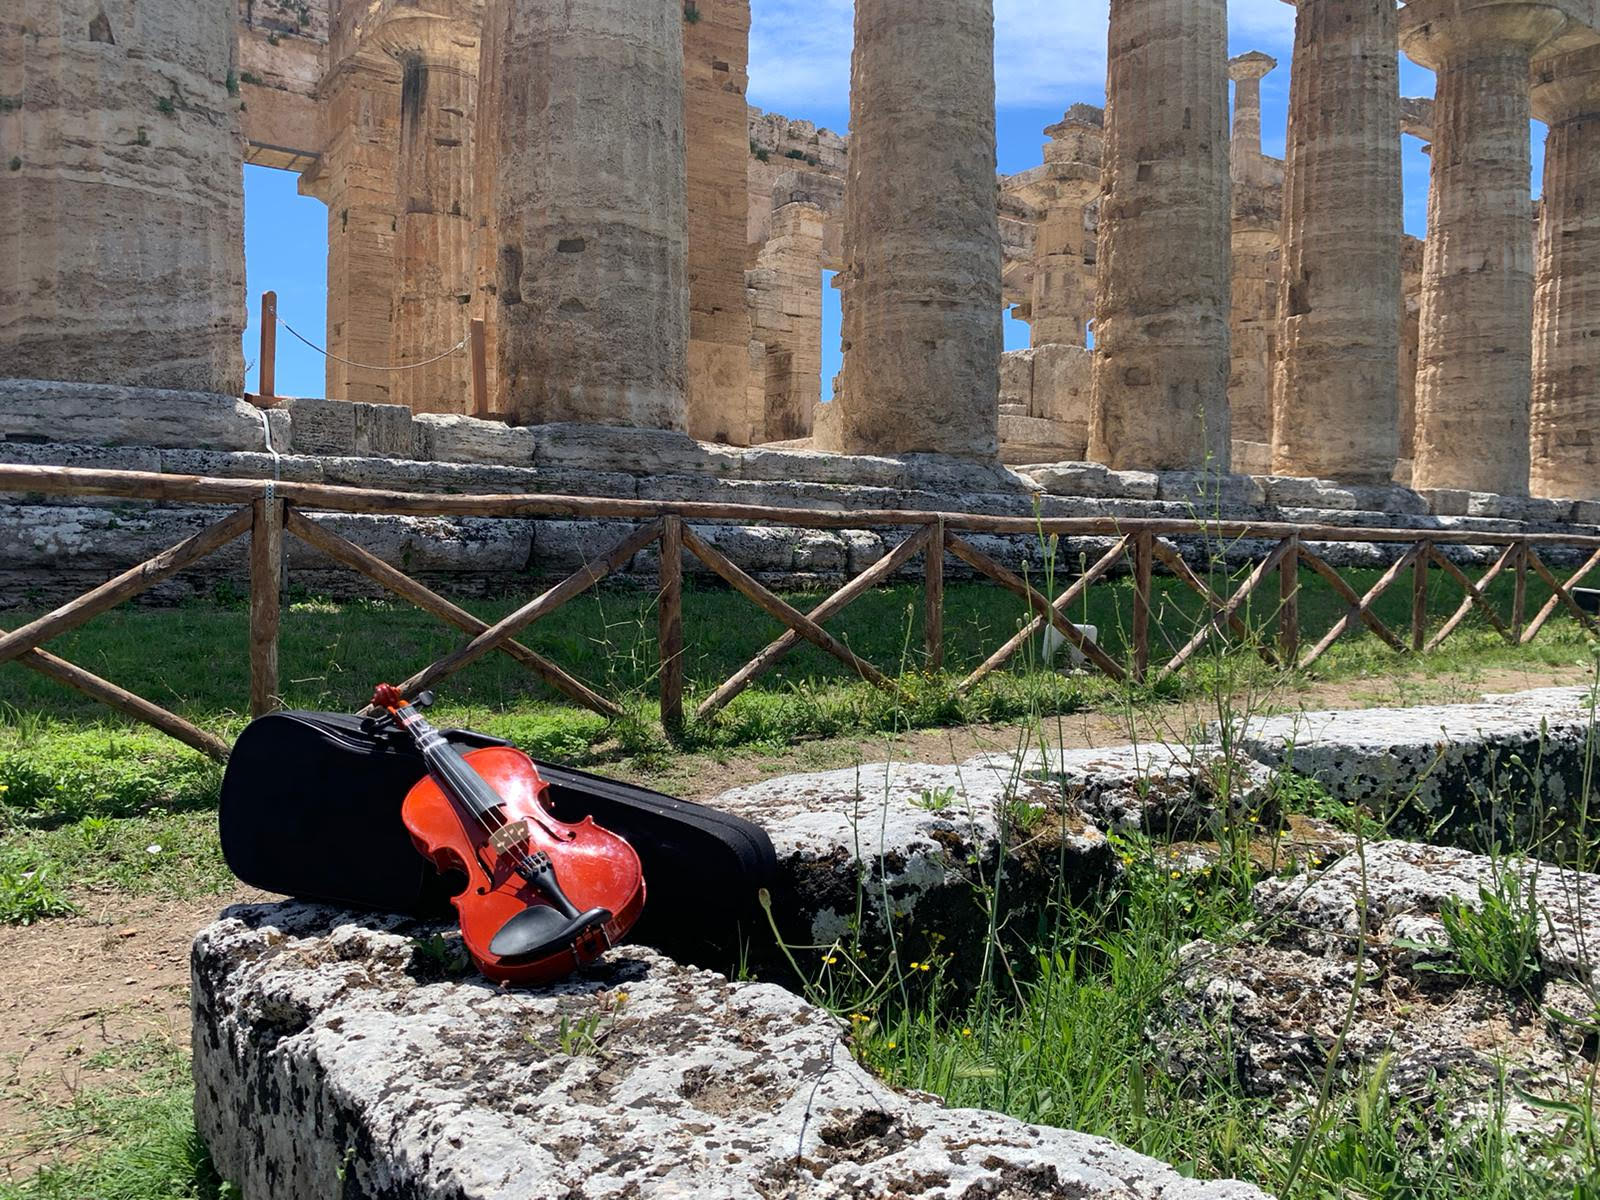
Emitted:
pixel 1566 86
pixel 1434 31
pixel 1252 64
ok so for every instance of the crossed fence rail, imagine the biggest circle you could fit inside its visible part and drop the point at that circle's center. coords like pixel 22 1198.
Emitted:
pixel 267 511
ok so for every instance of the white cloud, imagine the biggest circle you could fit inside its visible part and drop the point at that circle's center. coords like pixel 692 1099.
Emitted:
pixel 1046 54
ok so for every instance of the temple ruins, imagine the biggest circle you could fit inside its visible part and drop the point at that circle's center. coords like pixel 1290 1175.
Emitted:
pixel 647 252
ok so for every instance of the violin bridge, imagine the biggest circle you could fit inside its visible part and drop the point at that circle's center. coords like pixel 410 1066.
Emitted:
pixel 509 836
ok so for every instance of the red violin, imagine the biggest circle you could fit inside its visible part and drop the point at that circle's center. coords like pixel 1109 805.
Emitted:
pixel 543 896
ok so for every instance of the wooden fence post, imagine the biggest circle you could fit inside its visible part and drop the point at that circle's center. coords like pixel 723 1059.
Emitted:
pixel 669 611
pixel 1519 597
pixel 478 345
pixel 933 597
pixel 266 567
pixel 1289 604
pixel 268 385
pixel 1143 565
pixel 1419 599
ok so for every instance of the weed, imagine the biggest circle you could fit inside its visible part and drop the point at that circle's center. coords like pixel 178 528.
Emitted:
pixel 166 106
pixel 691 14
pixel 28 892
pixel 1495 941
pixel 935 800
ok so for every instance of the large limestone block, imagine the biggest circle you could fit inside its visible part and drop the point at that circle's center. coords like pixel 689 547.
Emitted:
pixel 121 194
pixel 1063 381
pixel 450 438
pixel 106 415
pixel 1093 479
pixel 333 1056
pixel 592 213
pixel 1467 772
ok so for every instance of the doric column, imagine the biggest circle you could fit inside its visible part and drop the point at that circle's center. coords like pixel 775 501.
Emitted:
pixel 716 55
pixel 1475 328
pixel 357 177
pixel 1161 310
pixel 121 196
pixel 1565 416
pixel 437 49
pixel 591 213
pixel 1244 144
pixel 1335 387
pixel 1062 298
pixel 922 288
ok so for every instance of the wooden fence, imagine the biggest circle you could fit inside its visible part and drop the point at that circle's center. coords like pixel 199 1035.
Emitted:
pixel 267 512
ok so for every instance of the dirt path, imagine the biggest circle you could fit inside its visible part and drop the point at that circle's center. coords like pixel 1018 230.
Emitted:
pixel 99 982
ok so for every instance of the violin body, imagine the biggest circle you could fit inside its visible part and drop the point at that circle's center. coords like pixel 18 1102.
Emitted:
pixel 596 867
pixel 543 896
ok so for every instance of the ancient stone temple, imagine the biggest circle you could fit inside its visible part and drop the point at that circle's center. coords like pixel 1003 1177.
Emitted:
pixel 582 193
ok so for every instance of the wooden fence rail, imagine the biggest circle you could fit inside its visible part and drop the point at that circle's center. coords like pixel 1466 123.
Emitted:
pixel 268 512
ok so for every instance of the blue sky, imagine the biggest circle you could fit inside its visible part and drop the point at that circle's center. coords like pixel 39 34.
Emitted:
pixel 1047 56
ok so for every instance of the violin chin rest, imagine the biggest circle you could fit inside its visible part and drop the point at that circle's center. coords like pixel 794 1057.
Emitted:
pixel 542 930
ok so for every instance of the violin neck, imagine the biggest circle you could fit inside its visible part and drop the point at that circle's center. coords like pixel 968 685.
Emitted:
pixel 453 773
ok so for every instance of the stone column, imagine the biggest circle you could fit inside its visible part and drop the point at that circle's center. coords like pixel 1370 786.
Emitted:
pixel 1475 328
pixel 922 289
pixel 716 53
pixel 591 213
pixel 1244 145
pixel 438 56
pixel 1336 384
pixel 1565 417
pixel 1062 298
pixel 357 177
pixel 121 194
pixel 1257 238
pixel 1161 313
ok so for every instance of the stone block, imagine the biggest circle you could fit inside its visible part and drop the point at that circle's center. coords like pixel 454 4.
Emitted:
pixel 450 545
pixel 561 547
pixel 1251 458
pixel 48 538
pixel 1586 512
pixel 1093 479
pixel 447 437
pixel 813 466
pixel 1292 492
pixel 643 451
pixel 332 1058
pixel 1016 380
pixel 832 497
pixel 323 426
pixel 1039 439
pixel 1469 773
pixel 383 431
pixel 107 415
pixel 1209 491
pixel 405 475
pixel 1259 1008
pixel 1446 502
pixel 1528 509
pixel 72 454
pixel 957 476
pixel 242 464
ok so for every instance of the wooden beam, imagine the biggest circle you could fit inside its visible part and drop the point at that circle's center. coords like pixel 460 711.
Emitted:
pixel 542 605
pixel 1289 604
pixel 126 585
pixel 1060 605
pixel 1041 607
pixel 1173 561
pixel 266 604
pixel 1555 600
pixel 862 583
pixel 1361 608
pixel 1143 564
pixel 1519 593
pixel 1228 613
pixel 477 346
pixel 778 609
pixel 402 585
pixel 669 623
pixel 1467 604
pixel 1476 596
pixel 124 702
pixel 1560 595
pixel 267 385
pixel 1419 599
pixel 933 596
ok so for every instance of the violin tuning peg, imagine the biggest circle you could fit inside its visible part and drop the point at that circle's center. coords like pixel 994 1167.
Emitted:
pixel 423 700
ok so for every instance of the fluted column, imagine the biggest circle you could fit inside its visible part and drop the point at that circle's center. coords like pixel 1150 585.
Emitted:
pixel 591 216
pixel 121 202
pixel 922 288
pixel 1565 417
pixel 1244 144
pixel 1161 312
pixel 438 56
pixel 1336 381
pixel 1062 297
pixel 1476 323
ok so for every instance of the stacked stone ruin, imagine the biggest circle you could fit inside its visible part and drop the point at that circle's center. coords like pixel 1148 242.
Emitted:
pixel 647 251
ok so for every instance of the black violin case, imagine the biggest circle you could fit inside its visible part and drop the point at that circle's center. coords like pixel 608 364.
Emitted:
pixel 332 832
